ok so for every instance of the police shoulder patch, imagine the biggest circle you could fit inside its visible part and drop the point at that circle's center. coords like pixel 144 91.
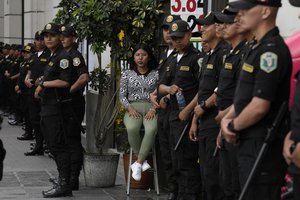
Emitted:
pixel 76 61
pixel 268 62
pixel 64 63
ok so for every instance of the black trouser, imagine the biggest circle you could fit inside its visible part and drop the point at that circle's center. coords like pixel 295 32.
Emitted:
pixel 185 159
pixel 3 94
pixel 270 177
pixel 24 105
pixel 35 119
pixel 210 164
pixel 165 149
pixel 74 135
pixel 53 128
pixel 296 187
pixel 13 98
pixel 229 169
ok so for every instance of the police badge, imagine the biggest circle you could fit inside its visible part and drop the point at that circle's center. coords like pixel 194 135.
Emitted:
pixel 64 63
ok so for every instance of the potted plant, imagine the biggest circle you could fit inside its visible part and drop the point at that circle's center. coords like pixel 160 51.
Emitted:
pixel 120 24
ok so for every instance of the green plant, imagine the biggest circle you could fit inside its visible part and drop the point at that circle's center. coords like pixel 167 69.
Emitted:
pixel 120 131
pixel 99 80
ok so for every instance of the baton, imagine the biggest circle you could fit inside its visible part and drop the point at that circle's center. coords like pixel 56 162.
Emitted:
pixel 279 117
pixel 183 132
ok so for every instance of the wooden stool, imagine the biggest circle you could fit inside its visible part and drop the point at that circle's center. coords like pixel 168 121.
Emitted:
pixel 154 169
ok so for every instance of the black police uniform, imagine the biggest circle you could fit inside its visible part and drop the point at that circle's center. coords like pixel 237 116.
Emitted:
pixel 24 95
pixel 208 128
pixel 225 94
pixel 78 111
pixel 55 117
pixel 163 124
pixel 265 74
pixel 295 136
pixel 184 74
pixel 37 68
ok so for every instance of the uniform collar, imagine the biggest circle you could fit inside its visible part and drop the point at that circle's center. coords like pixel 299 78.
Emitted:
pixel 273 32
pixel 190 48
pixel 219 46
pixel 239 47
pixel 58 49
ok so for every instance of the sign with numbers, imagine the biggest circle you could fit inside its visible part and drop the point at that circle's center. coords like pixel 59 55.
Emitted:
pixel 188 10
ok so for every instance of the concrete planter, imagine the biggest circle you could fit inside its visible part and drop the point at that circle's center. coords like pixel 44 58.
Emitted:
pixel 100 170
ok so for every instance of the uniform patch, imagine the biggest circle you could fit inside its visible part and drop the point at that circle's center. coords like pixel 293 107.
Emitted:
pixel 228 66
pixel 174 27
pixel 169 18
pixel 76 61
pixel 168 69
pixel 50 64
pixel 64 63
pixel 248 68
pixel 161 61
pixel 210 66
pixel 43 59
pixel 268 62
pixel 185 68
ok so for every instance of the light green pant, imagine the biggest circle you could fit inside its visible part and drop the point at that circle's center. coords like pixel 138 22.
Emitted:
pixel 141 147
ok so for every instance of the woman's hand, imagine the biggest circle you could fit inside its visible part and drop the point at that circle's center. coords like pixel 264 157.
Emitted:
pixel 150 114
pixel 133 113
pixel 37 92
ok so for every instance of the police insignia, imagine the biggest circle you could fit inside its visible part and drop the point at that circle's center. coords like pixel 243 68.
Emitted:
pixel 48 26
pixel 248 68
pixel 268 62
pixel 228 66
pixel 43 60
pixel 63 28
pixel 174 27
pixel 209 66
pixel 76 62
pixel 169 18
pixel 50 64
pixel 168 69
pixel 161 61
pixel 64 63
pixel 185 68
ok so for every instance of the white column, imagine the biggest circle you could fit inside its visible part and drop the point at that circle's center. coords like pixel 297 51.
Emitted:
pixel 1 20
pixel 12 21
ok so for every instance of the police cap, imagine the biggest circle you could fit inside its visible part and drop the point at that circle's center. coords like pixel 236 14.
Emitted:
pixel 51 28
pixel 223 18
pixel 28 49
pixel 68 31
pixel 295 2
pixel 228 10
pixel 38 35
pixel 247 4
pixel 209 19
pixel 169 20
pixel 179 28
pixel 7 46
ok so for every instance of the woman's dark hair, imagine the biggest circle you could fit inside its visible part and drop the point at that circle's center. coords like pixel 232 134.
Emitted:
pixel 152 63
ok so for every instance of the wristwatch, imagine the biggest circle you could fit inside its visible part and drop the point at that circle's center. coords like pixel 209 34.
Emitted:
pixel 42 84
pixel 166 100
pixel 231 127
pixel 202 105
pixel 293 147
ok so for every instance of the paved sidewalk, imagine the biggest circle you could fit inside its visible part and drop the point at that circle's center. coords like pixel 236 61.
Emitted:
pixel 25 177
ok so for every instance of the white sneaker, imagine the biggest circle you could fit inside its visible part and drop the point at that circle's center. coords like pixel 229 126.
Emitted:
pixel 145 166
pixel 136 171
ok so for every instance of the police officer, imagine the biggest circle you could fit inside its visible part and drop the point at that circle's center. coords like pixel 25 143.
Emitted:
pixel 225 93
pixel 263 85
pixel 35 73
pixel 81 78
pixel 182 77
pixel 55 98
pixel 162 103
pixel 204 127
pixel 23 91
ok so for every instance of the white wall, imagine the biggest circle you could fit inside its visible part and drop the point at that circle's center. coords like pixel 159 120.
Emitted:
pixel 1 20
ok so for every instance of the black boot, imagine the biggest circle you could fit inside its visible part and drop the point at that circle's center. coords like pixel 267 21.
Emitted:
pixel 26 136
pixel 74 183
pixel 35 151
pixel 62 189
pixel 2 156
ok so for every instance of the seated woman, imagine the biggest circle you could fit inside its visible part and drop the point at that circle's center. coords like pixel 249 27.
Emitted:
pixel 135 87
